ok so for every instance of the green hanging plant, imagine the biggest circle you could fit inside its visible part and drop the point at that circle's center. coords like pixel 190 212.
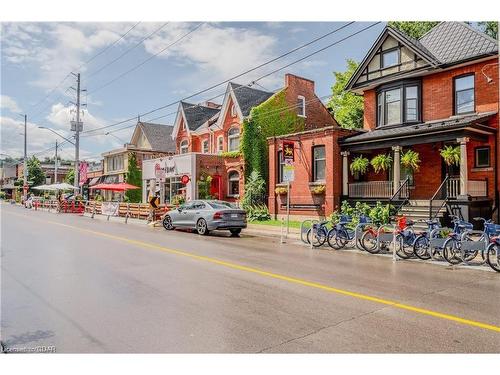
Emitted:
pixel 381 162
pixel 410 160
pixel 359 165
pixel 450 155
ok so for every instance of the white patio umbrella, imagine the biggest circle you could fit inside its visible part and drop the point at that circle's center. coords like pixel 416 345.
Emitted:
pixel 44 187
pixel 63 186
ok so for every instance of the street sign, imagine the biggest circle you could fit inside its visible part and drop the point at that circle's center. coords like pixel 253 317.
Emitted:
pixel 154 202
pixel 288 148
pixel 288 171
pixel 185 179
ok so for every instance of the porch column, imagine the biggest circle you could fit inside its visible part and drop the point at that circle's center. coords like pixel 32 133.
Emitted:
pixel 396 168
pixel 463 167
pixel 345 173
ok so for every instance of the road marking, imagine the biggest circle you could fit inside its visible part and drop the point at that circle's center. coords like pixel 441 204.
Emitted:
pixel 272 275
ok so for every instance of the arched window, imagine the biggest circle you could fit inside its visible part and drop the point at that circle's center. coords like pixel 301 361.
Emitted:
pixel 233 111
pixel 233 139
pixel 233 184
pixel 183 147
pixel 220 143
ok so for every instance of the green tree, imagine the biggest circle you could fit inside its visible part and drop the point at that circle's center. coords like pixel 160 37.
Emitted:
pixel 414 29
pixel 36 176
pixel 346 106
pixel 70 177
pixel 490 28
pixel 134 177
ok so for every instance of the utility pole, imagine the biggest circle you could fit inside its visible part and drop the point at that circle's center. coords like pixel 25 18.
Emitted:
pixel 25 163
pixel 77 134
pixel 55 166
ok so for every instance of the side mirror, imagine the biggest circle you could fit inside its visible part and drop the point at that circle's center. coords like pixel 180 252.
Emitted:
pixel 179 209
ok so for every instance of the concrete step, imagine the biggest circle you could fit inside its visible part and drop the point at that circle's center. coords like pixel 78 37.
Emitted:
pixel 424 202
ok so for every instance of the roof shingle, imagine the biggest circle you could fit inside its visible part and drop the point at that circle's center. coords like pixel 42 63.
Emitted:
pixel 248 97
pixel 159 136
pixel 197 115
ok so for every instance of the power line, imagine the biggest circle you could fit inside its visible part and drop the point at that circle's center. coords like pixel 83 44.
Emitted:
pixel 97 71
pixel 225 81
pixel 147 60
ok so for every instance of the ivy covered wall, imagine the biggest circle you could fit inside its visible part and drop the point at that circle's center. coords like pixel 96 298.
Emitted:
pixel 271 118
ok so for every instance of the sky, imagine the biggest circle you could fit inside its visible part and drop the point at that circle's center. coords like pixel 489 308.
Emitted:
pixel 131 68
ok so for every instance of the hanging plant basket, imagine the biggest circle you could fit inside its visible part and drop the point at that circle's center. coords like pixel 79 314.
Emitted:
pixel 381 162
pixel 359 165
pixel 450 155
pixel 410 160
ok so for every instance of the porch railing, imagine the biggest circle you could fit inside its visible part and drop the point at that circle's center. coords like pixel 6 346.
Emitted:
pixel 372 189
pixel 475 188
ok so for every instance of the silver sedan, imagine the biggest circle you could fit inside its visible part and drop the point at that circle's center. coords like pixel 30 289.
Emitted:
pixel 206 215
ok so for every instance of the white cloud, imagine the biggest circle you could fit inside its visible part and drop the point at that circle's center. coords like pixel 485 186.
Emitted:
pixel 6 102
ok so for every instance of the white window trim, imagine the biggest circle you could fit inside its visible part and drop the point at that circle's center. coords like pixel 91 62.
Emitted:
pixel 220 145
pixel 203 146
pixel 303 99
pixel 229 184
pixel 233 110
pixel 182 145
pixel 230 137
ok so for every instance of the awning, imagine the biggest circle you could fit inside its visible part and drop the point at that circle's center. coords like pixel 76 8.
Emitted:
pixel 94 181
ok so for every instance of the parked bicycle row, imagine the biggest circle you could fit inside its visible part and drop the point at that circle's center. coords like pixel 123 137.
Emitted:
pixel 460 244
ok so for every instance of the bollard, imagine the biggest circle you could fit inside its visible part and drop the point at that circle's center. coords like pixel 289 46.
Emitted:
pixel 282 240
pixel 394 259
pixel 128 213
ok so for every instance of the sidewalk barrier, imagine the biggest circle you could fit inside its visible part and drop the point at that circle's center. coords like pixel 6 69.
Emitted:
pixel 314 224
pixel 436 243
pixel 304 228
pixel 467 244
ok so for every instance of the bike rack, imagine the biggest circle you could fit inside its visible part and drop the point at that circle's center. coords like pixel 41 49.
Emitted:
pixel 358 233
pixel 480 245
pixel 437 242
pixel 313 232
pixel 304 229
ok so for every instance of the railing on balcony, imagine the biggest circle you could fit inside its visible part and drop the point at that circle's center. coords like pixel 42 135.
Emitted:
pixel 475 188
pixel 372 189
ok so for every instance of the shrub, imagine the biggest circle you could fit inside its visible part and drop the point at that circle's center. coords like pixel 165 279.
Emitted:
pixel 381 214
pixel 255 190
pixel 2 195
pixel 178 199
pixel 258 212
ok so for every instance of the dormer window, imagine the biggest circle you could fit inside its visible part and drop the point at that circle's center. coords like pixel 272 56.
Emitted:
pixel 183 147
pixel 301 106
pixel 398 104
pixel 390 58
pixel 233 111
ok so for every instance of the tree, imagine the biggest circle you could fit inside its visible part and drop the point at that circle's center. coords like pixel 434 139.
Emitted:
pixel 346 106
pixel 36 176
pixel 134 177
pixel 414 29
pixel 70 177
pixel 490 28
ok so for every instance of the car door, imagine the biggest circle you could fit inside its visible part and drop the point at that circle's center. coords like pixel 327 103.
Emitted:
pixel 182 214
pixel 190 214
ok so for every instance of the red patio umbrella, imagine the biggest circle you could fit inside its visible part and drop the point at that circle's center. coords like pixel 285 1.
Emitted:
pixel 123 186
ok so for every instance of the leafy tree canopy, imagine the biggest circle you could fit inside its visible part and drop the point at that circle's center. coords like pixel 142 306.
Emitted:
pixel 70 177
pixel 346 106
pixel 414 29
pixel 36 176
pixel 134 177
pixel 489 27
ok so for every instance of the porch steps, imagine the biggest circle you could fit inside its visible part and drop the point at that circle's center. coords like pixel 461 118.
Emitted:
pixel 418 210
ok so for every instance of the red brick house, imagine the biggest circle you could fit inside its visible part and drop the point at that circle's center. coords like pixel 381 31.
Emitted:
pixel 212 132
pixel 422 95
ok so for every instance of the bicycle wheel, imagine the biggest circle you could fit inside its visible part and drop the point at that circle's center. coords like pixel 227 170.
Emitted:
pixel 421 247
pixel 451 251
pixel 319 238
pixel 332 239
pixel 342 238
pixel 400 248
pixel 369 242
pixel 492 256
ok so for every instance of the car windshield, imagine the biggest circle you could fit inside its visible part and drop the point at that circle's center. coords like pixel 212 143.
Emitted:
pixel 221 204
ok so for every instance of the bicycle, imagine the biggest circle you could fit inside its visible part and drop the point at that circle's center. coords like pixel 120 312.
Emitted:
pixel 320 233
pixel 376 239
pixel 451 246
pixel 405 237
pixel 422 244
pixel 492 253
pixel 339 236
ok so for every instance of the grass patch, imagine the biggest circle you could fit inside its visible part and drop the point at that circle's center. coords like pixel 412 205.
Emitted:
pixel 276 223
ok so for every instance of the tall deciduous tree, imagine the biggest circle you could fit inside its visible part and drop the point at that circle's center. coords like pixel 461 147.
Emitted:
pixel 134 177
pixel 70 177
pixel 346 106
pixel 490 28
pixel 414 29
pixel 36 176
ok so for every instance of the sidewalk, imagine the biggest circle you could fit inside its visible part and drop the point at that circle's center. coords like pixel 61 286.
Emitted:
pixel 272 231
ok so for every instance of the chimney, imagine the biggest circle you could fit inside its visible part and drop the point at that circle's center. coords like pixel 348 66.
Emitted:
pixel 292 79
pixel 212 105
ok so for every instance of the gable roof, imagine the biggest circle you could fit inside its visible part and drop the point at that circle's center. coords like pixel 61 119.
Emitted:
pixel 445 44
pixel 453 42
pixel 159 136
pixel 246 97
pixel 196 115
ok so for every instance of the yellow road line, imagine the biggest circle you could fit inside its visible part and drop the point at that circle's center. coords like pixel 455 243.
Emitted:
pixel 289 279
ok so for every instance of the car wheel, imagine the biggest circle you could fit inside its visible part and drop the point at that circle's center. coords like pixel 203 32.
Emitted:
pixel 235 232
pixel 201 227
pixel 167 223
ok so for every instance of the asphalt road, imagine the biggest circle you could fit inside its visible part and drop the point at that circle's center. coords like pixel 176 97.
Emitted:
pixel 85 285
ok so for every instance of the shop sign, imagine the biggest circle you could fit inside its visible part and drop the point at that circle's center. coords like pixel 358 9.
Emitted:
pixel 185 179
pixel 160 173
pixel 288 153
pixel 288 171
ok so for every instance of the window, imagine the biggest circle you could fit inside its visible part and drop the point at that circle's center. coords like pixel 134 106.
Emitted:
pixel 204 146
pixel 390 58
pixel 281 163
pixel 183 148
pixel 220 143
pixel 482 159
pixel 301 106
pixel 115 163
pixel 233 187
pixel 233 111
pixel 319 163
pixel 464 94
pixel 398 104
pixel 233 139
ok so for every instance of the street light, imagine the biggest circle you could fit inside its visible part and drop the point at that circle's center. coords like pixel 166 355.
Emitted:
pixel 56 133
pixel 111 134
